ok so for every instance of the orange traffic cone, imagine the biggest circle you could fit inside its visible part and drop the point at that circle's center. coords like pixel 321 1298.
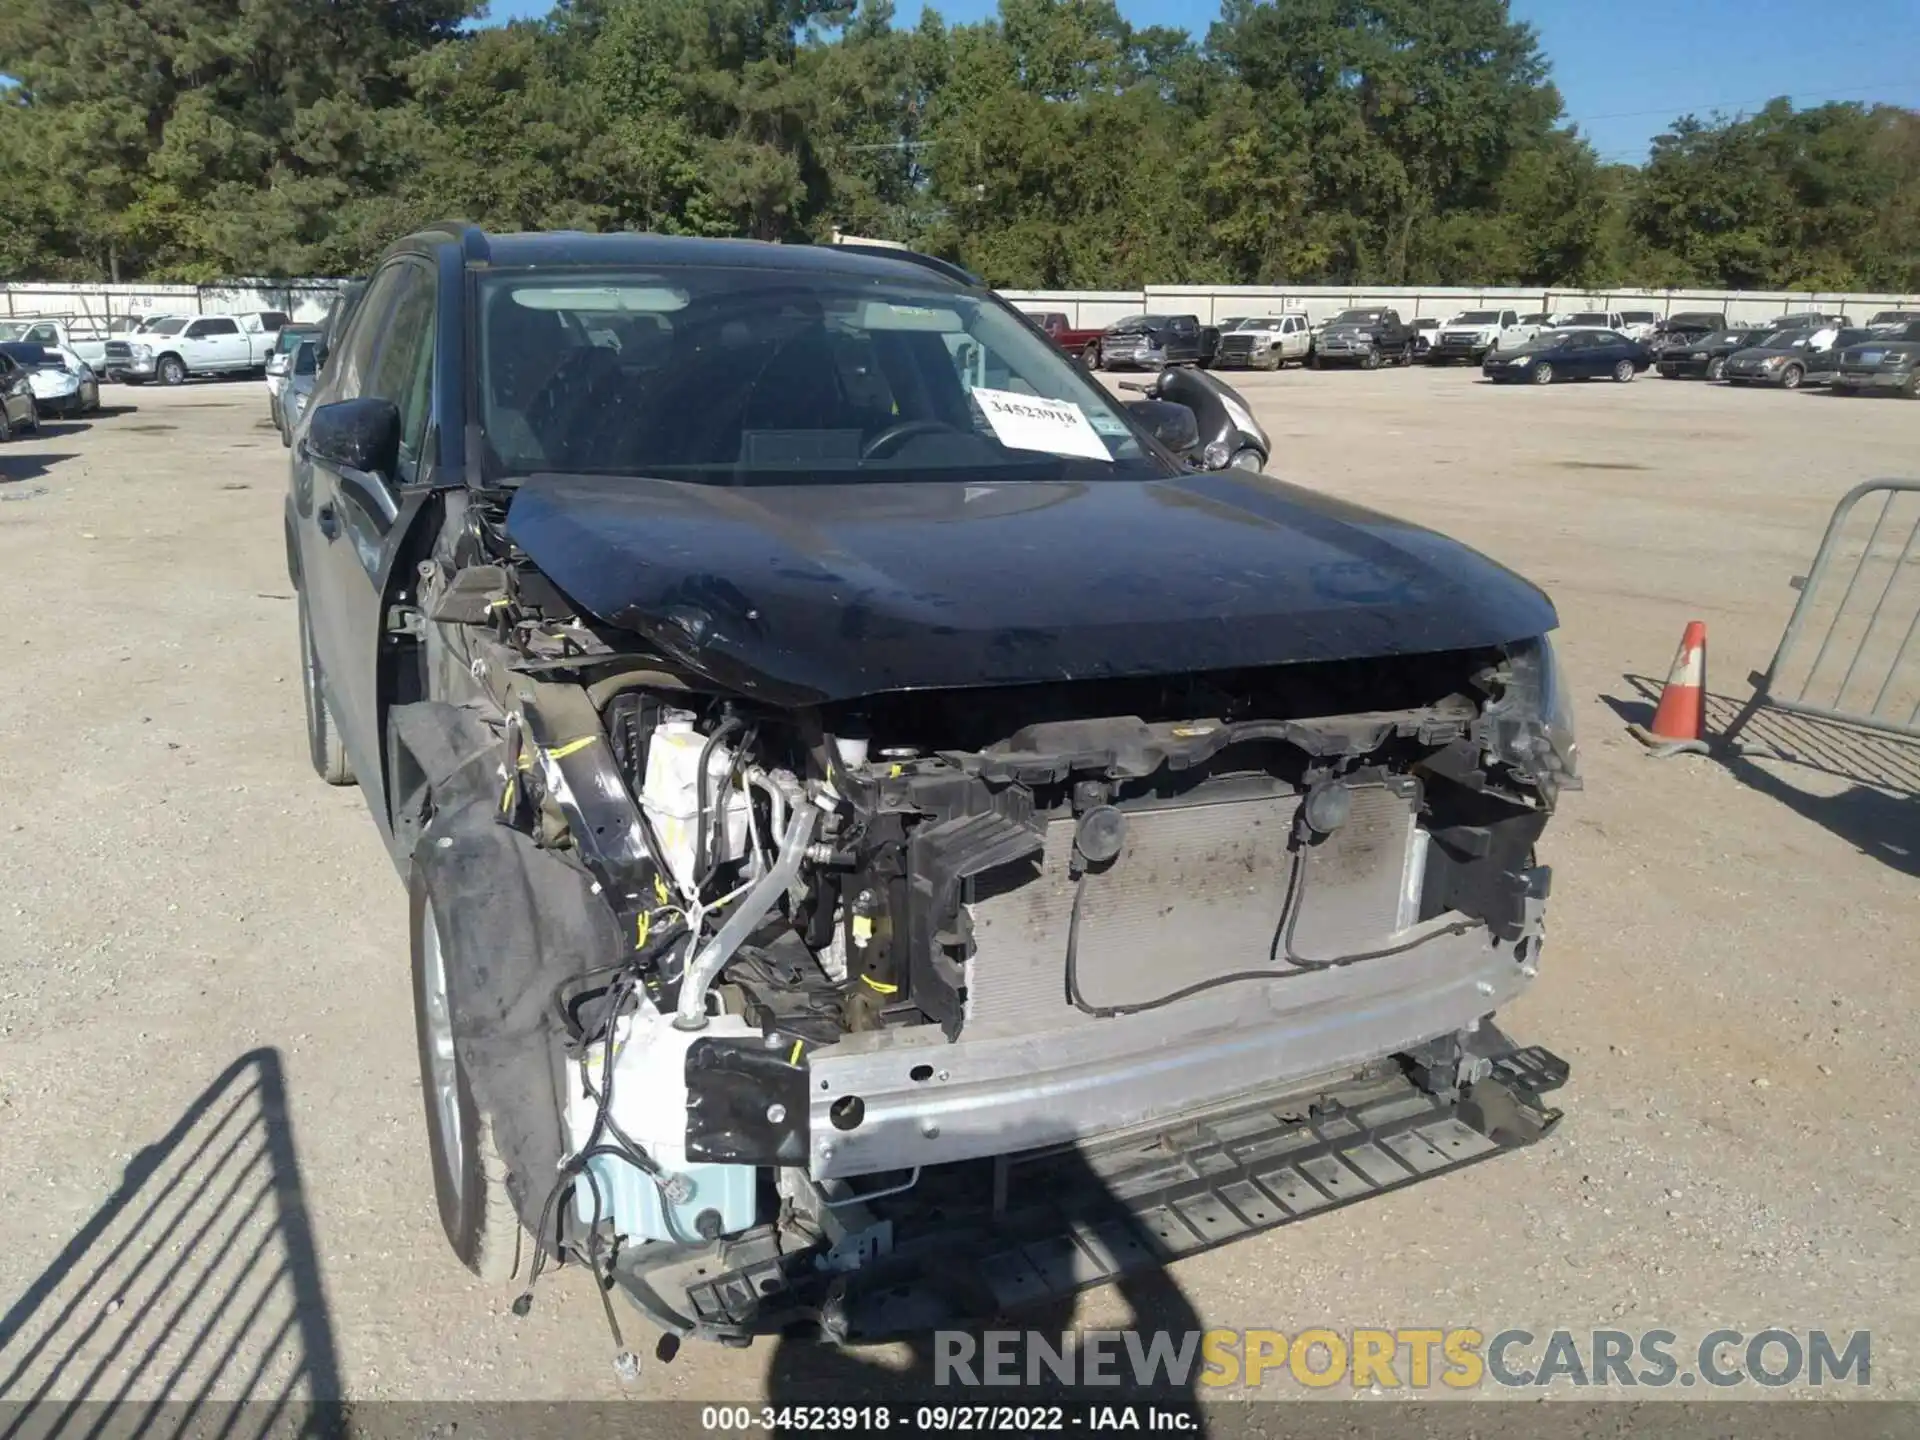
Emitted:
pixel 1679 724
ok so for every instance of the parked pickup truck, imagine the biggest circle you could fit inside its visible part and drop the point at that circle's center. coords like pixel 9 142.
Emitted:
pixel 84 336
pixel 1067 337
pixel 1471 334
pixel 1268 342
pixel 1364 337
pixel 179 347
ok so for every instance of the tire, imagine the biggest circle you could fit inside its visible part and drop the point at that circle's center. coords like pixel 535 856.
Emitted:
pixel 1372 362
pixel 1406 356
pixel 171 370
pixel 6 425
pixel 1716 367
pixel 1791 377
pixel 470 1191
pixel 1911 389
pixel 1090 357
pixel 1623 373
pixel 324 747
pixel 1542 374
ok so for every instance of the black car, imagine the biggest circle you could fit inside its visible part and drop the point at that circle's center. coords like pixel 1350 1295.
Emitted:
pixel 1888 360
pixel 1706 357
pixel 1146 342
pixel 1569 355
pixel 1792 357
pixel 797 696
pixel 17 408
pixel 1368 337
pixel 1679 331
pixel 1890 319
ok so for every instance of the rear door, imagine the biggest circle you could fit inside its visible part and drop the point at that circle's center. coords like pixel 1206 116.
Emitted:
pixel 346 519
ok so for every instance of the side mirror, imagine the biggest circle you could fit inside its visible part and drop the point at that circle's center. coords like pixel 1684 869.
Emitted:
pixel 1174 426
pixel 362 434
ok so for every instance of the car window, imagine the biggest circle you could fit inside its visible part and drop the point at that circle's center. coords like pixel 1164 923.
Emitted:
pixel 204 328
pixel 403 370
pixel 365 326
pixel 752 376
pixel 305 358
pixel 43 335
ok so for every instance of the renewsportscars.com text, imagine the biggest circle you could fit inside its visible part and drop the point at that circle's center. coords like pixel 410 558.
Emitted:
pixel 1458 1358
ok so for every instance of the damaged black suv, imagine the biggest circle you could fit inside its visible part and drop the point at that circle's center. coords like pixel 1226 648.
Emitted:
pixel 885 840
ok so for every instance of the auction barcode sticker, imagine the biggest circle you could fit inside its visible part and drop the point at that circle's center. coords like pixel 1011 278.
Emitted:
pixel 1033 422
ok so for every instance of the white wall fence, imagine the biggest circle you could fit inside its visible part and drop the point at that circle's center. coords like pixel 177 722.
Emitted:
pixel 1087 309
pixel 302 299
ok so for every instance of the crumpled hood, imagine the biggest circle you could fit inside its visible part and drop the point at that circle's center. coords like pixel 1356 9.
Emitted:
pixel 812 593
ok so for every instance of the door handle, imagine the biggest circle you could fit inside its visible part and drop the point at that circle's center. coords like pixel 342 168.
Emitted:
pixel 328 519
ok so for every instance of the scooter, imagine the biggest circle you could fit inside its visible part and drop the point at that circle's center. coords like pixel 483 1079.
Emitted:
pixel 1202 419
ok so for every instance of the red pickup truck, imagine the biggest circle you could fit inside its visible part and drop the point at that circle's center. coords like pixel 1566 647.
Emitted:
pixel 1084 343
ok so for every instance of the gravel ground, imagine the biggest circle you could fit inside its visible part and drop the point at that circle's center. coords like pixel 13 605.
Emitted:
pixel 212 1178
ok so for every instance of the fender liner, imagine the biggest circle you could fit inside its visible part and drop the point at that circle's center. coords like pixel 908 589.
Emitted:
pixel 515 921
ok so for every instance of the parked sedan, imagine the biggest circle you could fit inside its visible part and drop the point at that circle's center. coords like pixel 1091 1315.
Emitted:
pixel 17 409
pixel 1791 358
pixel 60 385
pixel 1887 361
pixel 1705 358
pixel 1569 355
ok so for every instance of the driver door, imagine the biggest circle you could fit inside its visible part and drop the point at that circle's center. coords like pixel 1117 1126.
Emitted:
pixel 347 519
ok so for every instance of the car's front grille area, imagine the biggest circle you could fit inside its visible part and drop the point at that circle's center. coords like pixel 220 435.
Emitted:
pixel 1199 892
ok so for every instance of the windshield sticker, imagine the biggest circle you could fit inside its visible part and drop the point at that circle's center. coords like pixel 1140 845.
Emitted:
pixel 1032 422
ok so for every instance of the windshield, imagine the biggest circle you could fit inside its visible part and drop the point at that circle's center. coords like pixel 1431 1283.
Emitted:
pixel 1595 318
pixel 1729 337
pixel 1697 321
pixel 1535 319
pixel 12 330
pixel 1785 340
pixel 1639 317
pixel 736 375
pixel 1355 317
pixel 289 339
pixel 1478 317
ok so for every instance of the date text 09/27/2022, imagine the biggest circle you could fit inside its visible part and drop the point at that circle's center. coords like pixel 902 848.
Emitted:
pixel 962 1418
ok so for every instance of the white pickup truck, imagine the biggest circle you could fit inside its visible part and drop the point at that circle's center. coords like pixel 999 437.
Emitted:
pixel 85 337
pixel 177 347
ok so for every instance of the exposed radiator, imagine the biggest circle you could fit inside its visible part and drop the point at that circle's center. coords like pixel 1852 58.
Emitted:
pixel 1197 893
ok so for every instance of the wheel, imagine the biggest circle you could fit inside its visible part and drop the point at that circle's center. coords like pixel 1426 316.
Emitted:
pixel 1910 387
pixel 324 747
pixel 1090 357
pixel 1543 373
pixel 6 425
pixel 172 370
pixel 1623 372
pixel 469 1178
pixel 1372 362
pixel 1791 377
pixel 1406 355
pixel 1716 367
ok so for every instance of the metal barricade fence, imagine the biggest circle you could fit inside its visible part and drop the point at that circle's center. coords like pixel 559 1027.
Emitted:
pixel 1851 651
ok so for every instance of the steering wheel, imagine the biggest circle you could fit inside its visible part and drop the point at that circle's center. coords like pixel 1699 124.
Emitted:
pixel 890 438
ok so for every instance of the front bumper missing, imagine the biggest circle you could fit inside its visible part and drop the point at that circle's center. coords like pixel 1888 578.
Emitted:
pixel 973 1241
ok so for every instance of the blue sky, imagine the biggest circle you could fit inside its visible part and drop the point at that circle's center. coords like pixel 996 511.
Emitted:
pixel 1627 67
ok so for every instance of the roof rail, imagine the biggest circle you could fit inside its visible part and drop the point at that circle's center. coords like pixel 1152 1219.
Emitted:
pixel 912 257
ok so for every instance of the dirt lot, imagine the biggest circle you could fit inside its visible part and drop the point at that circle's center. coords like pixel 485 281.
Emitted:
pixel 211 1165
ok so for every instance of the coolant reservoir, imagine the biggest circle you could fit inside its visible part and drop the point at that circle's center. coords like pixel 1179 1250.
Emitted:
pixel 671 798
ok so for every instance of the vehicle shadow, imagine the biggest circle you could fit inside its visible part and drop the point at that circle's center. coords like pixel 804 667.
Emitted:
pixel 805 1371
pixel 193 1293
pixel 1877 807
pixel 16 467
